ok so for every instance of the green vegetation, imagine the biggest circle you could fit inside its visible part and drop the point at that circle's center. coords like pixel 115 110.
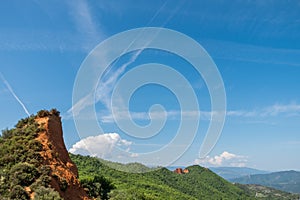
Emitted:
pixel 20 162
pixel 46 113
pixel 199 183
pixel 23 175
pixel 129 167
pixel 288 181
pixel 98 186
pixel 262 192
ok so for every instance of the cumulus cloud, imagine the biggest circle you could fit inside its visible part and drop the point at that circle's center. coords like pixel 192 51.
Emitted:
pixel 108 145
pixel 224 159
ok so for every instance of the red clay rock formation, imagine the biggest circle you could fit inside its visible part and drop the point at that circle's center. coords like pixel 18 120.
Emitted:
pixel 181 171
pixel 55 155
pixel 178 171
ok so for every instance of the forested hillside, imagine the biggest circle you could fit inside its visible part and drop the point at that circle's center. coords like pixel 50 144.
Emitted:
pixel 198 183
pixel 34 164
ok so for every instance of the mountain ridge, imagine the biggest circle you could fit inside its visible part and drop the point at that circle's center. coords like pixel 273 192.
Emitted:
pixel 229 173
pixel 288 181
pixel 34 164
pixel 199 183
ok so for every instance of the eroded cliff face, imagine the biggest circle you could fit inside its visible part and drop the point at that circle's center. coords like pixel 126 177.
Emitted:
pixel 64 172
pixel 181 171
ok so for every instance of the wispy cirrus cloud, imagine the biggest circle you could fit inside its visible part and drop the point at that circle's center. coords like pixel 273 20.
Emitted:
pixel 241 113
pixel 282 110
pixel 172 114
pixel 105 87
pixel 103 91
pixel 84 30
pixel 251 53
pixel 287 110
pixel 83 18
pixel 291 109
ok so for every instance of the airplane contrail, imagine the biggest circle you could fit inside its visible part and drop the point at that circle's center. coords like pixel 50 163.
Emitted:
pixel 14 94
pixel 106 87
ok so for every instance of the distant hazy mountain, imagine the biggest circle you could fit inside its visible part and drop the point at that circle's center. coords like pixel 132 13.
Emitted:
pixel 287 180
pixel 235 172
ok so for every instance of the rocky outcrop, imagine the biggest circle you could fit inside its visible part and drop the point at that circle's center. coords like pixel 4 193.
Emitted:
pixel 63 171
pixel 181 171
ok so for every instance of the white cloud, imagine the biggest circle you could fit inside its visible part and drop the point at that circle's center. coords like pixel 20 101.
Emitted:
pixel 291 109
pixel 224 159
pixel 241 113
pixel 104 146
pixel 83 18
pixel 287 110
pixel 157 115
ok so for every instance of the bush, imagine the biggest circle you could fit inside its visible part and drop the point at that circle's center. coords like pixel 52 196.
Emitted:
pixel 45 170
pixel 23 174
pixel 43 180
pixel 35 145
pixel 18 193
pixel 6 133
pixel 46 113
pixel 99 186
pixel 43 113
pixel 55 112
pixel 43 193
pixel 29 120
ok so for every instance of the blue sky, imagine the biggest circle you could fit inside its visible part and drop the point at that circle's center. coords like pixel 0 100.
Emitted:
pixel 254 44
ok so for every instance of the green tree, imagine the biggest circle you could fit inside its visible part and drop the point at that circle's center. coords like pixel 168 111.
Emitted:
pixel 98 186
